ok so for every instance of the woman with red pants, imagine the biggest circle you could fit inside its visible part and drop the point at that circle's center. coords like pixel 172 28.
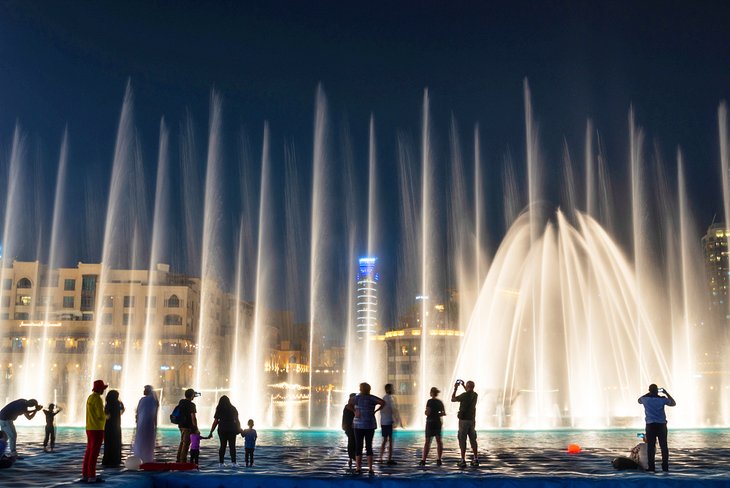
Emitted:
pixel 95 421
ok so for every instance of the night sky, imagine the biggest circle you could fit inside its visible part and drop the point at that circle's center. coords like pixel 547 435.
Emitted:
pixel 67 64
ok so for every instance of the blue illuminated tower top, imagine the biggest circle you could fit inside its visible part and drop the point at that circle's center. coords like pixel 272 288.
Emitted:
pixel 367 298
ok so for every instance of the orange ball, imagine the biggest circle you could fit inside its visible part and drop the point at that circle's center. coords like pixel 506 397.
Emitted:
pixel 573 448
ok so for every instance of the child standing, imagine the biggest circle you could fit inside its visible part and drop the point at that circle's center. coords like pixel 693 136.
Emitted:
pixel 195 445
pixel 249 436
pixel 50 427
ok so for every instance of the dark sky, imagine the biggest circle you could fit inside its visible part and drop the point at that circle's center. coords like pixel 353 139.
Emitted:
pixel 67 63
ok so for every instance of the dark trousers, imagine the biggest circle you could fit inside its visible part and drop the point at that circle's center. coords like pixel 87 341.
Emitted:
pixel 350 433
pixel 194 456
pixel 367 436
pixel 50 435
pixel 227 438
pixel 654 432
pixel 249 456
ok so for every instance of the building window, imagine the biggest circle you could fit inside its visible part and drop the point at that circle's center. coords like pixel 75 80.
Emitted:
pixel 4 316
pixel 23 300
pixel 106 319
pixel 109 301
pixel 173 319
pixel 7 284
pixel 68 302
pixel 6 301
pixel 21 316
pixel 44 300
pixel 127 319
pixel 172 302
pixel 150 302
pixel 23 283
pixel 87 316
pixel 69 285
pixel 128 301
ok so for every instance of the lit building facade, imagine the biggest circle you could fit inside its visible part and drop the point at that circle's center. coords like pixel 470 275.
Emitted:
pixel 717 268
pixel 404 352
pixel 367 299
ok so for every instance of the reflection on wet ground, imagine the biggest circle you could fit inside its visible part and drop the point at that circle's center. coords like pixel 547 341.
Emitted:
pixel 306 457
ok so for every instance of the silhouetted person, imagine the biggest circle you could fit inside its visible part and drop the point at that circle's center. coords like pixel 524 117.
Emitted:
pixel 188 420
pixel 348 416
pixel 656 424
pixel 113 409
pixel 365 425
pixel 50 427
pixel 249 444
pixel 467 418
pixel 10 413
pixel 434 411
pixel 226 420
pixel 389 415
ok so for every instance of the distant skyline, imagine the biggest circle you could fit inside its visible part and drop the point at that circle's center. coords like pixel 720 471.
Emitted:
pixel 67 65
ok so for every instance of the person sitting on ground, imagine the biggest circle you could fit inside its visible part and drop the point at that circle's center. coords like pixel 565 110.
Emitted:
pixel 50 427
pixel 10 413
pixel 639 453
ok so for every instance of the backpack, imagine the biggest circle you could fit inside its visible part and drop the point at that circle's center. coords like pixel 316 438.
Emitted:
pixel 175 416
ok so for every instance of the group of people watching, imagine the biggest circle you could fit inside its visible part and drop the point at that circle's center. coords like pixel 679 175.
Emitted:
pixel 225 419
pixel 359 424
pixel 103 425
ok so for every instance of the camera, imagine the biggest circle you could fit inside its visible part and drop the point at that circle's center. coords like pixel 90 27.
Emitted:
pixel 661 390
pixel 639 434
pixel 197 394
pixel 458 382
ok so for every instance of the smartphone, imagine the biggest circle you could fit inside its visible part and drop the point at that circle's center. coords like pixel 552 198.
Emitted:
pixel 639 434
pixel 661 390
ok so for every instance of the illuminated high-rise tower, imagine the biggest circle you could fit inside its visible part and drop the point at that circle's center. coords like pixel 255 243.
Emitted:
pixel 367 298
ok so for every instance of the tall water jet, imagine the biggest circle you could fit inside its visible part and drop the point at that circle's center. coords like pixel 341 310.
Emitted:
pixel 263 271
pixel 321 214
pixel 117 253
pixel 159 245
pixel 211 272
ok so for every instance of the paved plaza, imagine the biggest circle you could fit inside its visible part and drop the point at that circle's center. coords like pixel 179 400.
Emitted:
pixel 308 460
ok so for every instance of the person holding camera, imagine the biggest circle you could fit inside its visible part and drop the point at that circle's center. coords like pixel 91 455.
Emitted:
pixel 467 419
pixel 656 424
pixel 10 413
pixel 188 421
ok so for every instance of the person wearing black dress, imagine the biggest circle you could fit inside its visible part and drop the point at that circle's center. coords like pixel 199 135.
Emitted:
pixel 113 430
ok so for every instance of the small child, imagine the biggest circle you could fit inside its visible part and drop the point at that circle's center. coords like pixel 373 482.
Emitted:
pixel 249 436
pixel 195 445
pixel 50 427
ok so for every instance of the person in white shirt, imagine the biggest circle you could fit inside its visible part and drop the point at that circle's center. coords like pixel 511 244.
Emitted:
pixel 388 416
